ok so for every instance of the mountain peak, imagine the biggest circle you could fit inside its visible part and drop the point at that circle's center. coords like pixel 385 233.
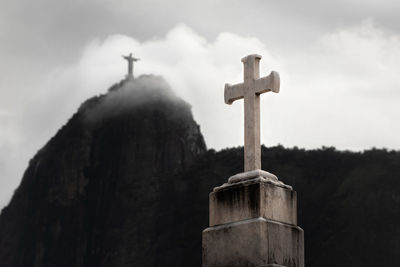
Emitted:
pixel 109 161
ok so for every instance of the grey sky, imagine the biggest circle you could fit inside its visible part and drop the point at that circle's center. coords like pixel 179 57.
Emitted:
pixel 338 62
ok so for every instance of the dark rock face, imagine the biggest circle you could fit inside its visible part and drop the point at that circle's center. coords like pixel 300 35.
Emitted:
pixel 99 193
pixel 126 181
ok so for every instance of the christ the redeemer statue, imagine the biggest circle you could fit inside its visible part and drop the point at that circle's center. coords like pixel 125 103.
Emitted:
pixel 130 60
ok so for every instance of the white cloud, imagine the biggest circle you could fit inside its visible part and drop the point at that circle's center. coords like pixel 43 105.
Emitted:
pixel 348 89
pixel 342 90
pixel 195 68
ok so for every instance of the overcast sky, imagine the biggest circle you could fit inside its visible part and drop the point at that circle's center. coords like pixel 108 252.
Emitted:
pixel 338 61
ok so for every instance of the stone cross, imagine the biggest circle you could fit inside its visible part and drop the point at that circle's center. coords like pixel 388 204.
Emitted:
pixel 250 90
pixel 130 60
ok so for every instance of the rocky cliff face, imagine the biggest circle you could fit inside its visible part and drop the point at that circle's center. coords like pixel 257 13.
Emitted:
pixel 99 193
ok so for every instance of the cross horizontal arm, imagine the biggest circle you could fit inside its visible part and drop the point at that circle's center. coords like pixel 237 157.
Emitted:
pixel 233 92
pixel 269 83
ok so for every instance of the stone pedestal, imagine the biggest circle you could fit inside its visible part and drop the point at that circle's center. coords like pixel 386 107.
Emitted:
pixel 253 222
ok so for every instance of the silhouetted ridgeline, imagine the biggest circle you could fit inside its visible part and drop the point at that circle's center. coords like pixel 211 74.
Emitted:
pixel 126 181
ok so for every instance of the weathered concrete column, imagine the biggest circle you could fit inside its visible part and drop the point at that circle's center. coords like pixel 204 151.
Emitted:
pixel 253 222
pixel 253 217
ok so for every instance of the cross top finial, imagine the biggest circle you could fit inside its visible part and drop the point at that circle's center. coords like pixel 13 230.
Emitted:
pixel 251 67
pixel 250 90
pixel 130 60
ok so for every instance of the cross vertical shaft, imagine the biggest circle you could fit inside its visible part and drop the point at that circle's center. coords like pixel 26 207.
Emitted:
pixel 252 151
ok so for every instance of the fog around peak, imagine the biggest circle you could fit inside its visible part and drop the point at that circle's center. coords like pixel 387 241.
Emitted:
pixel 146 92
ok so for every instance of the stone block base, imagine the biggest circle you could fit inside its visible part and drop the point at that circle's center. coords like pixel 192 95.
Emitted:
pixel 253 243
pixel 253 199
